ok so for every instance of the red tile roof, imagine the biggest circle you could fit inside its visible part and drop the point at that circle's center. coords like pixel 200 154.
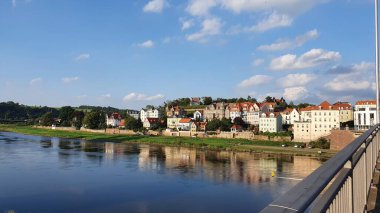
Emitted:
pixel 366 102
pixel 185 120
pixel 153 120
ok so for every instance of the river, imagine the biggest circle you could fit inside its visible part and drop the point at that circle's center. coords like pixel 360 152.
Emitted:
pixel 41 174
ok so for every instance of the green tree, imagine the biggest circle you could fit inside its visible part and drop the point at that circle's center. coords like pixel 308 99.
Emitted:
pixel 77 120
pixel 47 119
pixel 239 121
pixel 213 125
pixel 207 100
pixel 225 124
pixel 95 120
pixel 66 115
pixel 132 123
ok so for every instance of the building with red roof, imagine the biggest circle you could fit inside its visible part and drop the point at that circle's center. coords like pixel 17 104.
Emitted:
pixel 365 114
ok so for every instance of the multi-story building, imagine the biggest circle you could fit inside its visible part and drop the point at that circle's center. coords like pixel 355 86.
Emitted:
pixel 172 122
pixel 133 113
pixel 184 124
pixel 253 115
pixel 113 119
pixel 248 111
pixel 365 114
pixel 316 122
pixel 289 116
pixel 346 113
pixel 149 122
pixel 174 111
pixel 216 111
pixel 149 113
pixel 270 122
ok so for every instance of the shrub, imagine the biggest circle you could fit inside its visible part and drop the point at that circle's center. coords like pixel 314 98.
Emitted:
pixel 321 143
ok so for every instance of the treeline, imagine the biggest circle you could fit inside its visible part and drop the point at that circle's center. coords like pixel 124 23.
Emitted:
pixel 14 111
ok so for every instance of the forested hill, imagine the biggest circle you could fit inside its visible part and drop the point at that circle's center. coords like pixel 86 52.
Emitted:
pixel 15 111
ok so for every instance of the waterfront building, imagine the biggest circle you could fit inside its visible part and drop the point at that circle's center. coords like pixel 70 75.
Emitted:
pixel 270 122
pixel 149 122
pixel 346 112
pixel 172 122
pixel 133 113
pixel 184 124
pixel 290 116
pixel 113 119
pixel 365 114
pixel 216 111
pixel 149 113
pixel 316 122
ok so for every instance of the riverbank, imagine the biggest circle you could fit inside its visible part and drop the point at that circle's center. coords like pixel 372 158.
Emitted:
pixel 241 145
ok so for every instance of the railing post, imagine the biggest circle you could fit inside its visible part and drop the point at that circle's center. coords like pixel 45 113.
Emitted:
pixel 350 190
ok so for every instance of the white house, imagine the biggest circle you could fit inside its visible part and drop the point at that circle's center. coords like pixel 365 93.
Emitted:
pixel 289 116
pixel 198 115
pixel 149 122
pixel 365 114
pixel 134 114
pixel 149 113
pixel 184 124
pixel 113 119
pixel 253 115
pixel 270 122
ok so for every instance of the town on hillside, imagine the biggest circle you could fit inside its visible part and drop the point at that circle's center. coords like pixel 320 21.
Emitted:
pixel 205 117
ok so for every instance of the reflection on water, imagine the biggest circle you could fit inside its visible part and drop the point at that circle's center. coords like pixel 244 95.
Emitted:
pixel 139 178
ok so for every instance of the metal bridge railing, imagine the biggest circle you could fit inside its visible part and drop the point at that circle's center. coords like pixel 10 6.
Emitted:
pixel 341 184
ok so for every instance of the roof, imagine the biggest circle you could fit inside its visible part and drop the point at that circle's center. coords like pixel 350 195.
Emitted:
pixel 235 126
pixel 289 110
pixel 323 106
pixel 185 120
pixel 366 102
pixel 114 115
pixel 196 99
pixel 153 120
pixel 342 105
pixel 122 122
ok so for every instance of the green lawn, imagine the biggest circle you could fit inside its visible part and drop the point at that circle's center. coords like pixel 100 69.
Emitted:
pixel 208 143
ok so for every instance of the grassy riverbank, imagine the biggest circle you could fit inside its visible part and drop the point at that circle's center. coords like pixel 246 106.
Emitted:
pixel 205 143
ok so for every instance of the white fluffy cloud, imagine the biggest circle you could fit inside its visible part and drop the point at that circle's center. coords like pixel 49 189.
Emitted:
pixel 35 81
pixel 146 44
pixel 141 97
pixel 347 85
pixel 296 93
pixel 201 7
pixel 83 57
pixel 255 81
pixel 274 20
pixel 312 58
pixel 210 27
pixel 68 80
pixel 294 80
pixel 284 44
pixel 154 6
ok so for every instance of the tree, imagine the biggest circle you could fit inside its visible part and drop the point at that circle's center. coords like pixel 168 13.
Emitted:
pixel 66 115
pixel 239 121
pixel 47 119
pixel 207 100
pixel 269 99
pixel 77 120
pixel 213 125
pixel 95 120
pixel 225 124
pixel 132 123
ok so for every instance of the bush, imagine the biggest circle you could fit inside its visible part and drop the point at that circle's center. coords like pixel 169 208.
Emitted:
pixel 321 143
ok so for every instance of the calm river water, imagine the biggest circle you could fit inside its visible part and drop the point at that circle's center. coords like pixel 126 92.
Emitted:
pixel 39 174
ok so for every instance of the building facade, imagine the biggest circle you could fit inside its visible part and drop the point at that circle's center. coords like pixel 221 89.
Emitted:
pixel 149 113
pixel 365 114
pixel 216 111
pixel 113 119
pixel 270 122
pixel 346 112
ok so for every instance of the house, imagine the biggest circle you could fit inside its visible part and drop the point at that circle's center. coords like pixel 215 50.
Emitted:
pixel 133 113
pixel 122 124
pixel 149 113
pixel 216 111
pixel 193 127
pixel 198 115
pixel 236 128
pixel 184 124
pixel 150 122
pixel 253 114
pixel 195 101
pixel 174 111
pixel 270 122
pixel 316 122
pixel 289 116
pixel 201 126
pixel 172 122
pixel 365 114
pixel 267 107
pixel 346 112
pixel 113 119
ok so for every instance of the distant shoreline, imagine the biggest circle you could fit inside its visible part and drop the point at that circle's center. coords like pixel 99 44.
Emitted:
pixel 218 144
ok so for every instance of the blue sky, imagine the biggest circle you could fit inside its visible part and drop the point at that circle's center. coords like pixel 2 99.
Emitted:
pixel 132 53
